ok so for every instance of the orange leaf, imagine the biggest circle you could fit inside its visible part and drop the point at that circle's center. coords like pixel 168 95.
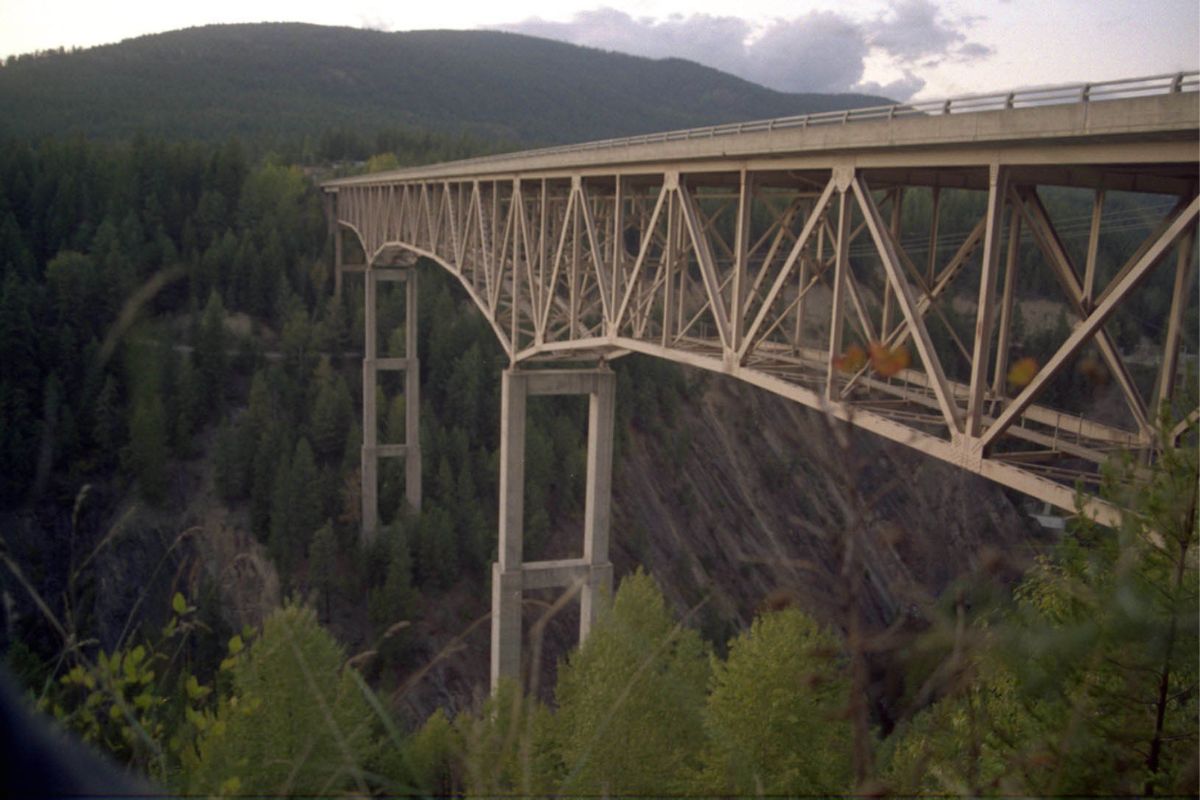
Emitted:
pixel 1093 370
pixel 1022 372
pixel 852 360
pixel 889 361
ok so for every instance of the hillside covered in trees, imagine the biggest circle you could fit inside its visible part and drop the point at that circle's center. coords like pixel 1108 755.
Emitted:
pixel 185 589
pixel 292 81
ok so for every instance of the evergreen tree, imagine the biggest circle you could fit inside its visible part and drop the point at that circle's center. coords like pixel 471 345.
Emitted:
pixel 306 495
pixel 437 547
pixel 283 517
pixel 211 360
pixel 472 527
pixel 108 422
pixel 188 406
pixel 147 453
pixel 226 476
pixel 393 603
pixel 331 412
pixel 322 565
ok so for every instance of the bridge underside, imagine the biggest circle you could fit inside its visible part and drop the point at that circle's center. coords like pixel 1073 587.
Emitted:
pixel 985 305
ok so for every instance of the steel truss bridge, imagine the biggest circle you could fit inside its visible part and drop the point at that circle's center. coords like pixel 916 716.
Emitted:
pixel 826 258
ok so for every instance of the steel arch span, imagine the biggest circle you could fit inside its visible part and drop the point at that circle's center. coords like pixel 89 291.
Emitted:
pixel 834 259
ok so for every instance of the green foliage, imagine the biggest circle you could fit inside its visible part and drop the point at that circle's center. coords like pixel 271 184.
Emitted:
pixel 775 718
pixel 295 505
pixel 332 411
pixel 211 360
pixel 508 748
pixel 393 603
pixel 382 162
pixel 970 741
pixel 297 722
pixel 1088 686
pixel 631 699
pixel 141 703
pixel 437 547
pixel 322 564
pixel 233 460
pixel 147 453
pixel 430 756
pixel 188 407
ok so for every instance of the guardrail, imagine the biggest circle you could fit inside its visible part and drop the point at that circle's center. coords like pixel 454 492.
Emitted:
pixel 964 104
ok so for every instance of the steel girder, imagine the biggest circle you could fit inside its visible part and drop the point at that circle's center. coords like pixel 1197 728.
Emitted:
pixel 787 270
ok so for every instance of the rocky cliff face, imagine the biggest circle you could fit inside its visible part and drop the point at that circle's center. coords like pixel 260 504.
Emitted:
pixel 755 495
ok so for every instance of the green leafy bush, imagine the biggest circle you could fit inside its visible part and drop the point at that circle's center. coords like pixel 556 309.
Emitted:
pixel 776 717
pixel 297 722
pixel 631 699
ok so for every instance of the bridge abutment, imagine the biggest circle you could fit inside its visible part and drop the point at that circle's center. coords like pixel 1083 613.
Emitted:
pixel 511 574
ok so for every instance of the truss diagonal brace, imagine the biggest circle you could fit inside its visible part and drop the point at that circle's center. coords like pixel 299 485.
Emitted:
pixel 908 305
pixel 1046 237
pixel 985 311
pixel 1091 325
pixel 708 269
pixel 785 272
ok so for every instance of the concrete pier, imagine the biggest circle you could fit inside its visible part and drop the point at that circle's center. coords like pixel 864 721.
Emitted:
pixel 511 574
pixel 372 450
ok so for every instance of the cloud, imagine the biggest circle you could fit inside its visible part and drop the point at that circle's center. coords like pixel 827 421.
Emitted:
pixel 715 41
pixel 973 50
pixel 915 31
pixel 821 51
pixel 900 89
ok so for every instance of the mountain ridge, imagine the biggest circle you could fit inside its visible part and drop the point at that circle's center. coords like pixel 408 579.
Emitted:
pixel 299 79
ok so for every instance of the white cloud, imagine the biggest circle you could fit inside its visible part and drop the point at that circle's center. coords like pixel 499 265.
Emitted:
pixel 821 51
pixel 916 31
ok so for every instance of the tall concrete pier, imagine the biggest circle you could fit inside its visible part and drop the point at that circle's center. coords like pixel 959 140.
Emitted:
pixel 511 574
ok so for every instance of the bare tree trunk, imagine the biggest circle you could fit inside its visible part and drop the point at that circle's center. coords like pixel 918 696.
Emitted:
pixel 1164 681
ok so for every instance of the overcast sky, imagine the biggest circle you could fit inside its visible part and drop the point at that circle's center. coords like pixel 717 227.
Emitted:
pixel 921 48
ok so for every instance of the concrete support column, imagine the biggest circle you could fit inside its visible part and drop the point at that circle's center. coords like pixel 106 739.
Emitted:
pixel 412 396
pixel 506 572
pixel 511 575
pixel 506 625
pixel 410 450
pixel 597 514
pixel 337 252
pixel 370 420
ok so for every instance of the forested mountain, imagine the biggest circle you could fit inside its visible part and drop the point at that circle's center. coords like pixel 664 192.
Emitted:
pixel 295 80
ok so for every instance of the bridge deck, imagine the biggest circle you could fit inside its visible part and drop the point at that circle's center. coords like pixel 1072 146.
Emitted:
pixel 1165 127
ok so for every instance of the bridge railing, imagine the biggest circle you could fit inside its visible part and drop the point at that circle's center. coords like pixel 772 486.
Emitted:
pixel 963 104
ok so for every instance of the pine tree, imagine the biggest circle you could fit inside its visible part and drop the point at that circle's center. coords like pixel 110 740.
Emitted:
pixel 189 406
pixel 331 412
pixel 147 453
pixel 305 490
pixel 108 421
pixel 212 363
pixel 322 565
